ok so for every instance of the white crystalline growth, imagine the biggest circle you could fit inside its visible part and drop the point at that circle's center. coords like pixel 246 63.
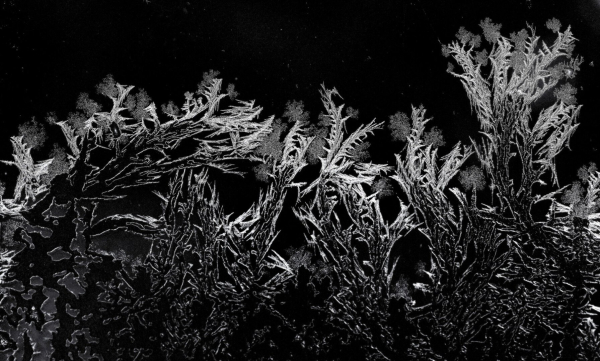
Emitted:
pixel 28 181
pixel 6 257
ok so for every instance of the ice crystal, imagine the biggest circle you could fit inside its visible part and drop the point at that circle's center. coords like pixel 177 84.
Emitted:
pixel 384 187
pixel 566 94
pixel 445 51
pixel 491 31
pixel 472 178
pixel 352 113
pixel 33 133
pixel 434 137
pixel 137 104
pixel 481 57
pixel 87 105
pixel 231 92
pixel 585 171
pixel 554 25
pixel 107 87
pixel 294 112
pixel 399 126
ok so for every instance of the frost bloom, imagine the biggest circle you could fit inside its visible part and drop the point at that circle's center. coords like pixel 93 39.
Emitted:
pixel 33 133
pixel 384 187
pixel 399 126
pixel 472 178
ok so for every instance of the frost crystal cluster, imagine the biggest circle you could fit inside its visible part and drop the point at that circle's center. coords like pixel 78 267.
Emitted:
pixel 119 246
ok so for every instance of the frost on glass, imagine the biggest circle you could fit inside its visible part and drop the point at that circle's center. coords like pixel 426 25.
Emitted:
pixel 191 280
pixel 506 285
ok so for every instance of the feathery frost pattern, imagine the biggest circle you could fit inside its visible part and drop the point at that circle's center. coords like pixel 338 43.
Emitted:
pixel 131 255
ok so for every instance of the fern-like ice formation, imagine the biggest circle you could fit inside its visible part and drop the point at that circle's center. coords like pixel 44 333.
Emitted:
pixel 487 260
pixel 499 282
